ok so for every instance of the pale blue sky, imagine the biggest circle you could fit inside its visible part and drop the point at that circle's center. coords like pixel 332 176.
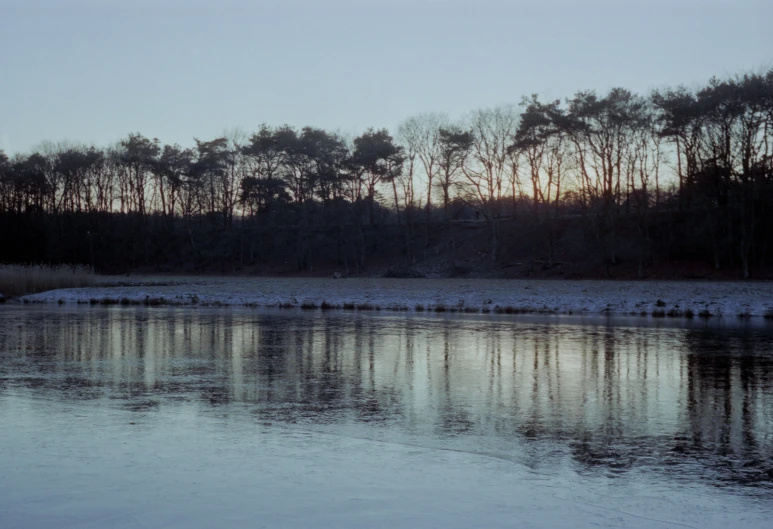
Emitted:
pixel 94 70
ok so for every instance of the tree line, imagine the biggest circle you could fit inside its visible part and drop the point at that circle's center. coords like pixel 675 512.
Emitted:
pixel 681 173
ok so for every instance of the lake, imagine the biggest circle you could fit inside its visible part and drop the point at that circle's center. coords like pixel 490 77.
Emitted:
pixel 221 417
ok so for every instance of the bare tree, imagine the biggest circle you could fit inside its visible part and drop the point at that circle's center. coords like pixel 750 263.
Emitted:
pixel 421 134
pixel 486 168
pixel 407 183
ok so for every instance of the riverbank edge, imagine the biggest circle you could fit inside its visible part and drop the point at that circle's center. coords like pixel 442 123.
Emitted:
pixel 661 300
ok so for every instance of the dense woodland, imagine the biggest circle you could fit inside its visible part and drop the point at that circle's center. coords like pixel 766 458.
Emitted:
pixel 678 175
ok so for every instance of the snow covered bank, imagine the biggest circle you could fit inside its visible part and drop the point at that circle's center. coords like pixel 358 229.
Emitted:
pixel 659 299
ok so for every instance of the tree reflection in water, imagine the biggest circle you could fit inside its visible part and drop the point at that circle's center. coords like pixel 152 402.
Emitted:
pixel 693 404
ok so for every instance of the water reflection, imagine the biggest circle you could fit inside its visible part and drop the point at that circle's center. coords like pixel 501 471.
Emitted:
pixel 690 404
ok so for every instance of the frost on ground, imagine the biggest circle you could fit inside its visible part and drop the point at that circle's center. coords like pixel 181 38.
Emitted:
pixel 656 298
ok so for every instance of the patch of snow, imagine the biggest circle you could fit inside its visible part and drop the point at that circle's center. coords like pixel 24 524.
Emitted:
pixel 657 298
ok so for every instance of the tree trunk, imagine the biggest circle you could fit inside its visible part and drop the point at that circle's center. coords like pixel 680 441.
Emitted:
pixel 494 239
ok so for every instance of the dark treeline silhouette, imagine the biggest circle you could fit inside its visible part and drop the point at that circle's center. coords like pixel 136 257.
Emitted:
pixel 679 175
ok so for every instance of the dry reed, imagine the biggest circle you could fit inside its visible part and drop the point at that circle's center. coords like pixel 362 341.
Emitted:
pixel 19 280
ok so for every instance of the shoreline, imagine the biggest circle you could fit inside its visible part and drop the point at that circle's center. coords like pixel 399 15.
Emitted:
pixel 659 299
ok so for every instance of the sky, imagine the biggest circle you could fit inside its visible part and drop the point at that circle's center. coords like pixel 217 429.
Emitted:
pixel 92 71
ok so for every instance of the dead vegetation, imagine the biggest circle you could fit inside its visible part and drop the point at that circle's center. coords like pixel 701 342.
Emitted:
pixel 19 280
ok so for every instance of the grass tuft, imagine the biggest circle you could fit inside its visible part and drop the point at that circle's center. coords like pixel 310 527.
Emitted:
pixel 20 280
pixel 153 302
pixel 109 301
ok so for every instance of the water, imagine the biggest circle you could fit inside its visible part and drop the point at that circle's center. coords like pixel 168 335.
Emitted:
pixel 238 418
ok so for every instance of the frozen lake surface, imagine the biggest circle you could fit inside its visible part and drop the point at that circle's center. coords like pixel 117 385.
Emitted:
pixel 221 417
